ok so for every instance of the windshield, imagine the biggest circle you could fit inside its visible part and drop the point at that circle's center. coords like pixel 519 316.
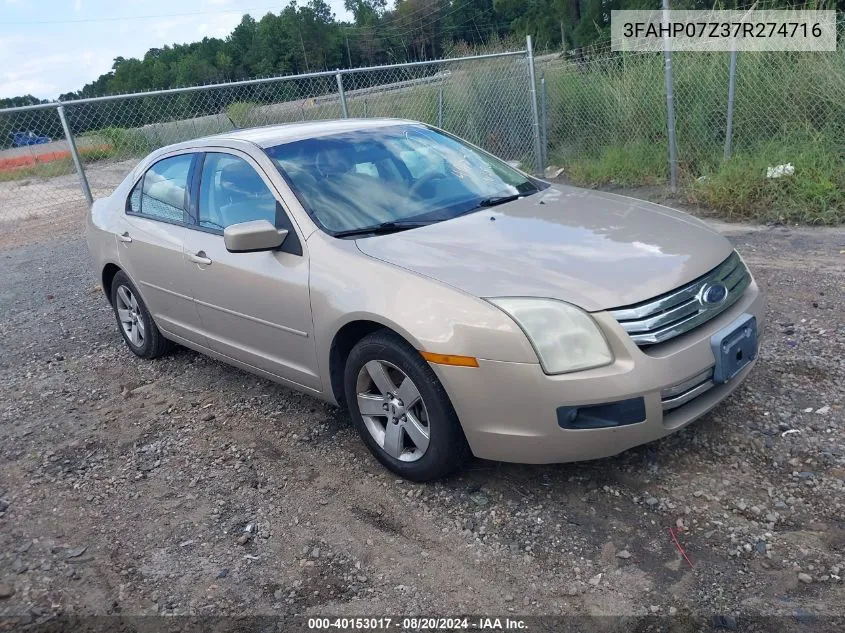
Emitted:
pixel 393 174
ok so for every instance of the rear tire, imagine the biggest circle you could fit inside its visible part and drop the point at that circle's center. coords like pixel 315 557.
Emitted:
pixel 408 422
pixel 134 321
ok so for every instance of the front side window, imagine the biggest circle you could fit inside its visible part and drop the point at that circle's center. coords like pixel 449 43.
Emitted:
pixel 231 191
pixel 393 174
pixel 161 193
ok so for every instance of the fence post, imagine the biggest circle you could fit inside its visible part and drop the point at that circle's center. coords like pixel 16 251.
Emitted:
pixel 729 129
pixel 544 121
pixel 538 151
pixel 440 108
pixel 670 101
pixel 83 181
pixel 342 92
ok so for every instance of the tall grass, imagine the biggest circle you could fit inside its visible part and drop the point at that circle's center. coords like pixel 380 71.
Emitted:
pixel 51 169
pixel 815 194
pixel 243 113
pixel 113 142
pixel 628 165
pixel 607 125
pixel 488 103
pixel 57 163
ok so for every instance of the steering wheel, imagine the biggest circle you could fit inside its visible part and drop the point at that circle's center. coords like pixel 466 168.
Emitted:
pixel 424 180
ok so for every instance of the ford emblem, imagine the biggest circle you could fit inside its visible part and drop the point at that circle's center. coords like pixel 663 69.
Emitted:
pixel 712 294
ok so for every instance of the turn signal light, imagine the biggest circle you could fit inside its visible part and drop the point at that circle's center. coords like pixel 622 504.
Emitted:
pixel 449 359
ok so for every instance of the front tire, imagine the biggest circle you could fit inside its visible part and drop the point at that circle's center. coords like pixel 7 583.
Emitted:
pixel 134 321
pixel 401 410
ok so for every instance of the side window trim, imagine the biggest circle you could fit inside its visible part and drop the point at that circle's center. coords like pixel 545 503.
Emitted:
pixel 292 243
pixel 193 190
pixel 127 208
pixel 188 201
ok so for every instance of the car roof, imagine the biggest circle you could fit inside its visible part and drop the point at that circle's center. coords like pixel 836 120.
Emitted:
pixel 271 135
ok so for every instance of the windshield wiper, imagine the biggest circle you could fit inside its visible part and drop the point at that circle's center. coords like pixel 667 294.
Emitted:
pixel 381 229
pixel 497 200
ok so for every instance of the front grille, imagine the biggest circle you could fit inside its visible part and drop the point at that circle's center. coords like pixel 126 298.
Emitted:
pixel 679 311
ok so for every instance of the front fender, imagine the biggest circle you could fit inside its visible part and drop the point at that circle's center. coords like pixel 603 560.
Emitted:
pixel 347 286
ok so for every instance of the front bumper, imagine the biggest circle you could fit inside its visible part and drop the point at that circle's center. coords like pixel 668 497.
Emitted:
pixel 509 410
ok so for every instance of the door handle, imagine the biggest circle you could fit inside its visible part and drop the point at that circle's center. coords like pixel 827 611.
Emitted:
pixel 200 258
pixel 125 237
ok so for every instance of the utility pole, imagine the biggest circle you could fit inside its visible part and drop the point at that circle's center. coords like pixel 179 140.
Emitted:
pixel 304 54
pixel 348 54
pixel 562 37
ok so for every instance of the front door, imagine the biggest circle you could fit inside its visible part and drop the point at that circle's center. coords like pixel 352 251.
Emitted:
pixel 253 307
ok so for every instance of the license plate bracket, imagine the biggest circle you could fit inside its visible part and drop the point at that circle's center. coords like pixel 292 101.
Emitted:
pixel 734 347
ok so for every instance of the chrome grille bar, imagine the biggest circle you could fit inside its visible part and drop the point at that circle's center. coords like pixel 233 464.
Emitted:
pixel 681 310
pixel 683 392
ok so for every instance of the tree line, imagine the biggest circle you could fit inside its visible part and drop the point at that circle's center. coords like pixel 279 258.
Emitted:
pixel 302 38
pixel 307 37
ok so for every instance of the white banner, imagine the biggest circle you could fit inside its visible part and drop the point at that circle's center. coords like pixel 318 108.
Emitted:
pixel 708 31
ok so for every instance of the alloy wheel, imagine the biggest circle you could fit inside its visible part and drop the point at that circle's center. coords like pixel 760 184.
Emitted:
pixel 393 410
pixel 129 313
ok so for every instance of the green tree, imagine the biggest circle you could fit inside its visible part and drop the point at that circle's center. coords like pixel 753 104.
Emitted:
pixel 304 36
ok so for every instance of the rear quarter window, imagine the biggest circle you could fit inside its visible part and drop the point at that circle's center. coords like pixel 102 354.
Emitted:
pixel 133 204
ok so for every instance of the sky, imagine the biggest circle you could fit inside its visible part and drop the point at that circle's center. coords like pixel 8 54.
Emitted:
pixel 49 47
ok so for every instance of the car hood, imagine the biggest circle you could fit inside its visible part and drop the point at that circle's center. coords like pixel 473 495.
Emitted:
pixel 592 249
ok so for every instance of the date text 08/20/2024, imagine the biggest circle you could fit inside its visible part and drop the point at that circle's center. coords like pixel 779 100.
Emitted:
pixel 418 623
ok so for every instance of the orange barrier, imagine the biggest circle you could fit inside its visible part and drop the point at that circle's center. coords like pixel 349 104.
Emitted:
pixel 28 160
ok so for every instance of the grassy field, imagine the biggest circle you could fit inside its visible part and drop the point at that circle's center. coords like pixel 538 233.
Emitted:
pixel 53 164
pixel 607 125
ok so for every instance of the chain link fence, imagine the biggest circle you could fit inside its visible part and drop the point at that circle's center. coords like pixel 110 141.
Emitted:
pixel 597 101
pixel 608 111
pixel 485 99
pixel 601 114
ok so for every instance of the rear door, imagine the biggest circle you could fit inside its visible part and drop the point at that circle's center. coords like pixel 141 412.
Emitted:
pixel 152 241
pixel 254 307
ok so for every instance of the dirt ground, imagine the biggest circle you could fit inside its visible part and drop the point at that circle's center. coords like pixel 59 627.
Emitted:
pixel 184 486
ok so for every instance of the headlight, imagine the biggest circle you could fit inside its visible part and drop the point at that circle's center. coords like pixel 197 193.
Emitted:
pixel 565 337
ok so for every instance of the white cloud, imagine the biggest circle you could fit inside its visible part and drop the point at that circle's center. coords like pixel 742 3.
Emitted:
pixel 30 76
pixel 20 87
pixel 182 29
pixel 47 76
pixel 48 60
pixel 221 25
pixel 162 28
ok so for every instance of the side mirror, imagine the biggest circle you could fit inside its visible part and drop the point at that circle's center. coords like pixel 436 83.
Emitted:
pixel 250 237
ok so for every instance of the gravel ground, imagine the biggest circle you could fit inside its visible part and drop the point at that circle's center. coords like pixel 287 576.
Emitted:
pixel 50 198
pixel 184 486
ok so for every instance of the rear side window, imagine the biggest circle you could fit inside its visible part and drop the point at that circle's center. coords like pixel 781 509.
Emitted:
pixel 162 193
